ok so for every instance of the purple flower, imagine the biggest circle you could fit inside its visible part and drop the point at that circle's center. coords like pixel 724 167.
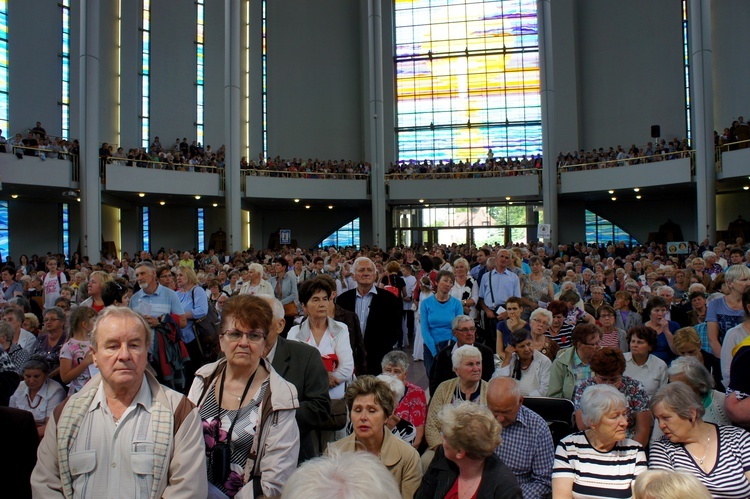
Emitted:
pixel 213 434
pixel 233 483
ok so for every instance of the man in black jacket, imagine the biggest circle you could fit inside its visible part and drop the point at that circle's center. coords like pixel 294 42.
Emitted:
pixel 301 365
pixel 464 331
pixel 379 313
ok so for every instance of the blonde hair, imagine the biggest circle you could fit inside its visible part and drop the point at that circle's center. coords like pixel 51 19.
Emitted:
pixel 686 336
pixel 189 274
pixel 660 484
pixel 470 427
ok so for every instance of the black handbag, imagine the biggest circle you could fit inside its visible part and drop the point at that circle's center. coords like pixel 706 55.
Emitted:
pixel 206 331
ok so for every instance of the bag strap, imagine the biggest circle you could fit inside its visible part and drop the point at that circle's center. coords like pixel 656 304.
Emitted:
pixel 207 381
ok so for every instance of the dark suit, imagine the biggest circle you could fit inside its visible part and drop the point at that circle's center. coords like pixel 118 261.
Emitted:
pixel 18 463
pixel 301 365
pixel 442 368
pixel 383 326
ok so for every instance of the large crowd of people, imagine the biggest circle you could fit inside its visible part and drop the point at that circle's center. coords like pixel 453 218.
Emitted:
pixel 652 152
pixel 207 374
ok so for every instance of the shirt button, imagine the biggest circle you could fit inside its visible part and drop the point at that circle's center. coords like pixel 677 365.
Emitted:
pixel 114 465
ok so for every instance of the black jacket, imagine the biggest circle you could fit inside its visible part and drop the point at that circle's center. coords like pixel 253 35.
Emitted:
pixel 498 482
pixel 442 368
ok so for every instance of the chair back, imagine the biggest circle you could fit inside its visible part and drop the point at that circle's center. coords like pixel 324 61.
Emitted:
pixel 557 412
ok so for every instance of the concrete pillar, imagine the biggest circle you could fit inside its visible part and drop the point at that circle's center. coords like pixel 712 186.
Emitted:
pixel 90 183
pixel 546 76
pixel 702 91
pixel 375 117
pixel 232 125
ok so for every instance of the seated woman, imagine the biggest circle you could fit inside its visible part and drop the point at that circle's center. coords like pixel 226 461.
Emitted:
pixel 412 406
pixel 37 393
pixel 466 465
pixel 251 434
pixel 626 315
pixel 608 366
pixel 560 330
pixel 612 336
pixel 514 308
pixel 571 366
pixel 600 462
pixel 659 484
pixel 370 404
pixel 687 343
pixel 540 320
pixel 97 281
pixel 467 386
pixel 530 367
pixel 719 456
pixel 402 428
pixel 640 364
pixel 690 371
pixel 656 311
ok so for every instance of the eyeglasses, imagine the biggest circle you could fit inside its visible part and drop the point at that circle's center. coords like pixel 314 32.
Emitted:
pixel 606 316
pixel 233 335
pixel 51 320
pixel 465 330
pixel 540 321
pixel 595 344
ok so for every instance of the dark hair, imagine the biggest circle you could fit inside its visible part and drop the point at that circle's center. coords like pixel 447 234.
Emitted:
pixel 445 273
pixel 281 261
pixel 79 316
pixel 308 288
pixel 426 263
pixel 570 296
pixel 370 385
pixel 10 270
pixel 517 300
pixel 114 291
pixel 535 259
pixel 519 336
pixel 608 361
pixel 583 331
pixel 248 310
pixel 746 301
pixel 556 307
pixel 654 302
pixel 645 333
pixel 606 308
pixel 37 362
pixel 161 270
pixel 699 294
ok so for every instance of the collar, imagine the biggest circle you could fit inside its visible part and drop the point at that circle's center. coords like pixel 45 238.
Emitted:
pixel 373 291
pixel 576 359
pixel 272 352
pixel 159 287
pixel 42 391
pixel 143 397
pixel 522 418
pixel 390 454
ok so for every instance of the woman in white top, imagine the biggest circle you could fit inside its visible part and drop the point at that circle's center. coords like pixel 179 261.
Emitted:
pixel 530 367
pixel 329 337
pixel 37 393
pixel 649 369
pixel 256 285
pixel 465 289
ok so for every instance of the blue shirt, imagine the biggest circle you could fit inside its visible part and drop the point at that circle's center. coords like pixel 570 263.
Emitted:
pixel 198 307
pixel 504 285
pixel 436 319
pixel 162 301
pixel 528 451
pixel 362 307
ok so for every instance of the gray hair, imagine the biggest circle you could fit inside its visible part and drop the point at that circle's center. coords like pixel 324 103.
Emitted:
pixel 396 386
pixel 736 272
pixel 679 398
pixel 148 265
pixel 17 312
pixel 112 312
pixel 541 311
pixel 459 319
pixel 597 400
pixel 695 374
pixel 6 331
pixel 60 313
pixel 661 484
pixel 708 254
pixel 696 286
pixel 342 475
pixel 257 268
pixel 276 306
pixel 395 358
pixel 462 352
pixel 356 263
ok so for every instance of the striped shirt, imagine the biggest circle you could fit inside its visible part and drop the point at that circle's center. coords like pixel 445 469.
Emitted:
pixel 727 479
pixel 562 338
pixel 598 474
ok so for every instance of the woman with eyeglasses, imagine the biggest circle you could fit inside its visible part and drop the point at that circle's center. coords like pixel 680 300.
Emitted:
pixel 248 410
pixel 539 321
pixel 50 342
pixel 165 277
pixel 608 367
pixel 612 336
pixel 530 367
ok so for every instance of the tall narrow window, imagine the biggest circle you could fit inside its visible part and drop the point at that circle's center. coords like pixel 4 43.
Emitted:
pixel 467 79
pixel 4 232
pixel 146 74
pixel 146 229
pixel 264 75
pixel 601 231
pixel 686 56
pixel 201 229
pixel 347 235
pixel 247 80
pixel 199 71
pixel 65 56
pixel 4 104
pixel 66 229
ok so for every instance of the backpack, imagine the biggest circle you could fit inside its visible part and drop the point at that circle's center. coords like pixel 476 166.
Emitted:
pixel 206 332
pixel 391 288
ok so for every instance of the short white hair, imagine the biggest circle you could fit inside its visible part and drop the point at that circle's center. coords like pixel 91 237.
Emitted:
pixel 276 306
pixel 356 263
pixel 668 290
pixel 396 386
pixel 462 352
pixel 339 475
pixel 597 400
pixel 661 484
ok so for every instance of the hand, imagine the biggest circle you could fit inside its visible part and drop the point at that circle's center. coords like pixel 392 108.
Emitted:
pixel 152 321
pixel 333 381
pixel 490 314
pixel 88 359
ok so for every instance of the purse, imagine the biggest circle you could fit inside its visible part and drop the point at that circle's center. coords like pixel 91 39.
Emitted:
pixel 337 418
pixel 290 309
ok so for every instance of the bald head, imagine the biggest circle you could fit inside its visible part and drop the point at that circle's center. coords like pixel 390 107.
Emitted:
pixel 504 400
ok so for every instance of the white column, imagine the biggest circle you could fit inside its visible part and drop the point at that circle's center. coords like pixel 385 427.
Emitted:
pixel 377 128
pixel 702 91
pixel 91 195
pixel 232 124
pixel 549 169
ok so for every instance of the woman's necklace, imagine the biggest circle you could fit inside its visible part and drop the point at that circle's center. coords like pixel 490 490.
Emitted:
pixel 459 395
pixel 28 399
pixel 701 459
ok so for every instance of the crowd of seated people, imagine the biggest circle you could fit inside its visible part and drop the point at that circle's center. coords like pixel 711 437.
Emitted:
pixel 599 325
pixel 180 156
pixel 738 132
pixel 619 156
pixel 491 167
pixel 300 168
pixel 36 142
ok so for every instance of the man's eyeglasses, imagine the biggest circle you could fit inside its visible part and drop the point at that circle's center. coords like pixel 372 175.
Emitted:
pixel 465 330
pixel 234 335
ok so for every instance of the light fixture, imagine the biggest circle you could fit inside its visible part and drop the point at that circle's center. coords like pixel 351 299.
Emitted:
pixel 421 200
pixel 611 192
pixel 614 198
pixel 636 189
pixel 330 206
pixel 162 203
pixel 746 187
pixel 638 197
pixel 296 200
pixel 197 197
pixel 215 205
pixel 14 196
pixel 141 194
pixel 427 205
pixel 507 198
pixel 307 206
pixel 78 199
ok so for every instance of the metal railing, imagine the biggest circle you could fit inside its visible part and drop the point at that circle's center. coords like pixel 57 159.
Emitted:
pixel 618 163
pixel 463 174
pixel 729 146
pixel 254 172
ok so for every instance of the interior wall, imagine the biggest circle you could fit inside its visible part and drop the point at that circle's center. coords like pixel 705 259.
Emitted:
pixel 111 228
pixel 731 76
pixel 131 54
pixel 730 206
pixel 572 220
pixel 35 227
pixel 314 79
pixel 308 227
pixel 565 71
pixel 630 71
pixel 173 227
